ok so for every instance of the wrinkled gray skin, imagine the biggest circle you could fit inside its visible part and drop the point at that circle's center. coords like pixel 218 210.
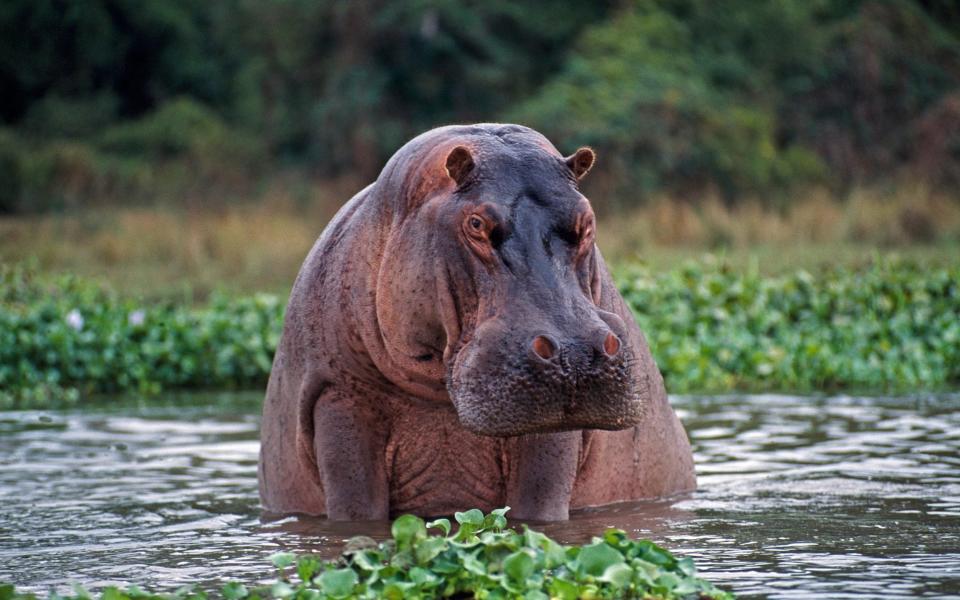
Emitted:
pixel 454 340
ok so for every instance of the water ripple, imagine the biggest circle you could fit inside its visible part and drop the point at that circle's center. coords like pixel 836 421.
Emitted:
pixel 799 497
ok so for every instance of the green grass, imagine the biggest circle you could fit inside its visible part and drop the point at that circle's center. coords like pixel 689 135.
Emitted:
pixel 782 259
pixel 888 325
pixel 250 244
pixel 482 559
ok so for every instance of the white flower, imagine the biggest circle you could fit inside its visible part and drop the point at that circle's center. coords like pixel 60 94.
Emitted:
pixel 75 319
pixel 137 317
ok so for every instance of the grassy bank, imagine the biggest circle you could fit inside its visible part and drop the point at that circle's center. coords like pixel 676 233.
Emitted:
pixel 888 325
pixel 482 559
pixel 247 246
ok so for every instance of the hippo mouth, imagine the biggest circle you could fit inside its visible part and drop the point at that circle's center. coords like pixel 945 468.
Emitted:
pixel 509 393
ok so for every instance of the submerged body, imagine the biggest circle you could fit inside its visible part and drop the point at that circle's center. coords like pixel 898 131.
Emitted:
pixel 454 340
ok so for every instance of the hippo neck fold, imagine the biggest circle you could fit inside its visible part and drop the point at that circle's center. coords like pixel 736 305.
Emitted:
pixel 412 311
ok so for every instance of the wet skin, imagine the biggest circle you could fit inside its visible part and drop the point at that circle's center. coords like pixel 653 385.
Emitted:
pixel 454 340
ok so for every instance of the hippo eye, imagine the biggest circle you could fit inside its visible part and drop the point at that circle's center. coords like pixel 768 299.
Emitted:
pixel 477 228
pixel 570 236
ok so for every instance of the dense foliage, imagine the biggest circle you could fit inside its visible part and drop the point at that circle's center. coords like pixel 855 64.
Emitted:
pixel 60 336
pixel 112 100
pixel 481 560
pixel 889 325
pixel 755 96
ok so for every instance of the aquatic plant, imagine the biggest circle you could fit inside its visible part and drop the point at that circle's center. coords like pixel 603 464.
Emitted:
pixel 63 337
pixel 889 325
pixel 885 326
pixel 481 559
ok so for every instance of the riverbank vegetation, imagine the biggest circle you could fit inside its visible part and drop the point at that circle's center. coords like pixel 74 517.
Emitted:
pixel 881 325
pixel 184 255
pixel 481 559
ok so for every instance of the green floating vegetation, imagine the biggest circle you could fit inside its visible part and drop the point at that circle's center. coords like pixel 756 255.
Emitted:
pixel 889 325
pixel 62 337
pixel 482 560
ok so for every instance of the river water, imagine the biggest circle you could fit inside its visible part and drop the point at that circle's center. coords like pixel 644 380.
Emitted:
pixel 800 497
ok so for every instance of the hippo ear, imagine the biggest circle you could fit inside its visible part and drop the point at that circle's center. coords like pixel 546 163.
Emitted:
pixel 459 164
pixel 581 161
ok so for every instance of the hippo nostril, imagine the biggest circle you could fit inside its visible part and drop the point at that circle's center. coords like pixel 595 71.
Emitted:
pixel 543 347
pixel 611 345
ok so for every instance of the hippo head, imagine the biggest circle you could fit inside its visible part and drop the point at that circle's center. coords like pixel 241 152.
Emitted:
pixel 528 346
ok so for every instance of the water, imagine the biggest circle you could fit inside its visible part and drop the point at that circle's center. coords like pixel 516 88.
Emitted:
pixel 799 497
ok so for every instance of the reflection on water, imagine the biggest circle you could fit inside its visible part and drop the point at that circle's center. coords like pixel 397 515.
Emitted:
pixel 799 497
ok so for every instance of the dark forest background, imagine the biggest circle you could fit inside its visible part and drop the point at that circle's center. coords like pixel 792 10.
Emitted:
pixel 107 101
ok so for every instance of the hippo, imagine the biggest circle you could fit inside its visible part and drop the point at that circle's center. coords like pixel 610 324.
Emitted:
pixel 454 340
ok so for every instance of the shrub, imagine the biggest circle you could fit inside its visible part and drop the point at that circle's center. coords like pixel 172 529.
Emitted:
pixel 11 173
pixel 179 127
pixel 170 153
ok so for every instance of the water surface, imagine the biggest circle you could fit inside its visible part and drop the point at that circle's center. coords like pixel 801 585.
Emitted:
pixel 799 497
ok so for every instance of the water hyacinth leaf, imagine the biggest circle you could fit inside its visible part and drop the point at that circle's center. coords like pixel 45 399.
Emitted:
pixel 619 575
pixel 398 590
pixel 596 558
pixel 470 522
pixel 471 517
pixel 472 564
pixel 306 567
pixel 282 560
pixel 533 539
pixel 686 566
pixel 407 529
pixel 564 590
pixel 685 587
pixel 402 559
pixel 428 549
pixel 519 565
pixel 423 578
pixel 338 583
pixel 553 553
pixel 496 520
pixel 281 589
pixel 645 571
pixel 80 592
pixel 189 591
pixel 650 552
pixel 441 524
pixel 615 537
pixel 444 566
pixel 667 582
pixel 368 561
pixel 234 591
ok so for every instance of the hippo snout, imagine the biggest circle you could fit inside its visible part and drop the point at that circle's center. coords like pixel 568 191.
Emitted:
pixel 505 382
